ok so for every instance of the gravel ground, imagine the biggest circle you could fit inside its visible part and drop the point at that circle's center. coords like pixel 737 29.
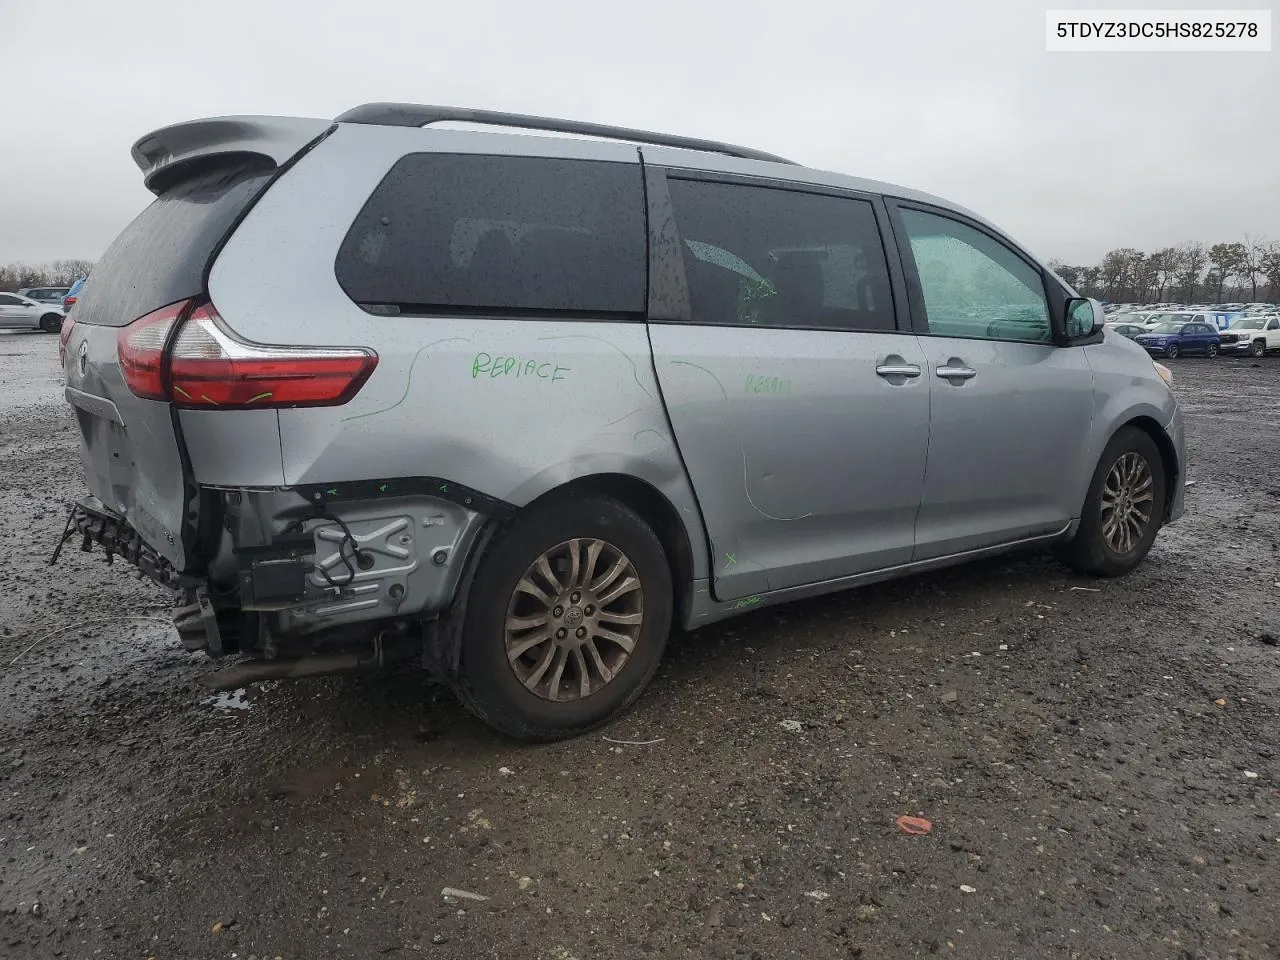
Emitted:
pixel 1097 758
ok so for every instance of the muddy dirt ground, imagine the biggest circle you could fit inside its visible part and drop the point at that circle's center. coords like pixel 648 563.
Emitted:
pixel 1099 760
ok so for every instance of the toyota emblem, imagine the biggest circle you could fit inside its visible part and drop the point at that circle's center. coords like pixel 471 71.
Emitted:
pixel 83 356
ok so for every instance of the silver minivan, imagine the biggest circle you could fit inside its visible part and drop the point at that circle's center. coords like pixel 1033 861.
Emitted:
pixel 513 402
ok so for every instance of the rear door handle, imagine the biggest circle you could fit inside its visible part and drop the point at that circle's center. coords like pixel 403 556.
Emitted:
pixel 898 370
pixel 956 372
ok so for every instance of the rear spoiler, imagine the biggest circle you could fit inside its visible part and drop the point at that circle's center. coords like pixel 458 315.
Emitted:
pixel 160 155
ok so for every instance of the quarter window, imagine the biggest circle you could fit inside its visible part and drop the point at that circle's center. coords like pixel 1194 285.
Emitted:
pixel 973 285
pixel 465 232
pixel 769 257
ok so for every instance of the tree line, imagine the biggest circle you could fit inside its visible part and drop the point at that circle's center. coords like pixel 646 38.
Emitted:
pixel 59 273
pixel 1189 273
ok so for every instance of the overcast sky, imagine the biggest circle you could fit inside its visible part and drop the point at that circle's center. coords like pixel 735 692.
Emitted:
pixel 1073 154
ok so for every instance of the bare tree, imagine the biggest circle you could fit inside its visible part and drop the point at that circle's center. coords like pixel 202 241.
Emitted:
pixel 1192 260
pixel 1165 264
pixel 1226 260
pixel 1269 266
pixel 1249 267
pixel 1067 272
pixel 1089 280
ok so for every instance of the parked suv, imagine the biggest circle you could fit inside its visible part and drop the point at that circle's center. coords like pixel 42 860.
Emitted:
pixel 514 405
pixel 1251 336
pixel 1174 337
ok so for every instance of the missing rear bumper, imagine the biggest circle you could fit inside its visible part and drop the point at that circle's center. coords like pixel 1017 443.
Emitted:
pixel 94 523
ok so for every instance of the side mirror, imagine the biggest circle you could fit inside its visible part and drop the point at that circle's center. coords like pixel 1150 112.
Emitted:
pixel 1082 320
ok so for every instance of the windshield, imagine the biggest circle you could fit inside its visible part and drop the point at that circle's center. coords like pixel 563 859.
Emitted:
pixel 1169 326
pixel 1248 323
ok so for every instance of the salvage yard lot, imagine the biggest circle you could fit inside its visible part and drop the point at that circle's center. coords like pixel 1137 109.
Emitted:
pixel 1099 760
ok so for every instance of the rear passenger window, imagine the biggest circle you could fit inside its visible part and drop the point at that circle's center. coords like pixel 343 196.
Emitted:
pixel 761 256
pixel 974 286
pixel 445 232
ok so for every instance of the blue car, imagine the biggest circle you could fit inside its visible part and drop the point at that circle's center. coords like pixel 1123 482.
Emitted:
pixel 69 300
pixel 1174 338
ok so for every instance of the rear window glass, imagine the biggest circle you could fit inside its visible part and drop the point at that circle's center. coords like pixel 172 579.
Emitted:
pixel 781 258
pixel 161 256
pixel 445 232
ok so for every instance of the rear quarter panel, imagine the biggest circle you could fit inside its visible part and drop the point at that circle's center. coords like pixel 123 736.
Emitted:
pixel 512 408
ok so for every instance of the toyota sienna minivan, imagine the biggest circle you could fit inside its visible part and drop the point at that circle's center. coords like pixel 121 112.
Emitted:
pixel 513 402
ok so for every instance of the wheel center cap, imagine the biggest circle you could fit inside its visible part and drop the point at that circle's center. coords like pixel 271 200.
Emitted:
pixel 573 617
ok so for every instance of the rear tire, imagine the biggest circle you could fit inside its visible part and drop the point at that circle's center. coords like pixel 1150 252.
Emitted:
pixel 1123 510
pixel 51 323
pixel 1257 349
pixel 531 688
pixel 1171 351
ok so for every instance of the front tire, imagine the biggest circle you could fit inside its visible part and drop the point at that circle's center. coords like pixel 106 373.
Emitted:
pixel 567 619
pixel 1171 351
pixel 1212 350
pixel 1257 348
pixel 51 323
pixel 1123 510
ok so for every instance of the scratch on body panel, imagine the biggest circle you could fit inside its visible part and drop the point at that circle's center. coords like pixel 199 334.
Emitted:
pixel 608 343
pixel 746 481
pixel 409 380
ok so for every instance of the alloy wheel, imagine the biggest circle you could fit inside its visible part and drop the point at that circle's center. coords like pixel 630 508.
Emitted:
pixel 574 619
pixel 1127 503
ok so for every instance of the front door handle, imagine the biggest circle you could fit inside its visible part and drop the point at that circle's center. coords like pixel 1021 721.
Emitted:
pixel 956 370
pixel 898 370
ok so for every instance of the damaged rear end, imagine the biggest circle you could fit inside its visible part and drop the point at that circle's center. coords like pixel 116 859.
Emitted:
pixel 178 415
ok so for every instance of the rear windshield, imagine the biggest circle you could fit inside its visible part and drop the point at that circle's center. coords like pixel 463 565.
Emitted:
pixel 460 232
pixel 161 256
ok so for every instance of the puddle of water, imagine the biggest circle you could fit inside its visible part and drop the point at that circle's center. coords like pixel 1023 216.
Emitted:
pixel 236 699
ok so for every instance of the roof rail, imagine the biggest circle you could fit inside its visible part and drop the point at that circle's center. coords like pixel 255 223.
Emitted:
pixel 418 115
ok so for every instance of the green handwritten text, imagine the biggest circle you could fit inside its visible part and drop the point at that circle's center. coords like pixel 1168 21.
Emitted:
pixel 779 386
pixel 485 365
pixel 746 602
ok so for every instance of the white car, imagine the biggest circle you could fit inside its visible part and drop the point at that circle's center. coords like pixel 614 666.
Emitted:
pixel 1251 336
pixel 23 313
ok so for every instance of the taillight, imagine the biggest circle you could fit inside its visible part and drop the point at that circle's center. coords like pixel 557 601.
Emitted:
pixel 67 326
pixel 210 368
pixel 140 346
pixel 67 302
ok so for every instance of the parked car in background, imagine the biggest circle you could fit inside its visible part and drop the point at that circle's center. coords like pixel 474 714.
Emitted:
pixel 1251 336
pixel 73 294
pixel 683 381
pixel 22 313
pixel 1129 330
pixel 45 294
pixel 1173 338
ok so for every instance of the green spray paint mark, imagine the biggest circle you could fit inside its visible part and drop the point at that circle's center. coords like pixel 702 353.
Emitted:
pixel 444 488
pixel 730 559
pixel 382 488
pixel 332 492
pixel 500 366
pixel 413 365
pixel 777 386
pixel 746 602
pixel 261 396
